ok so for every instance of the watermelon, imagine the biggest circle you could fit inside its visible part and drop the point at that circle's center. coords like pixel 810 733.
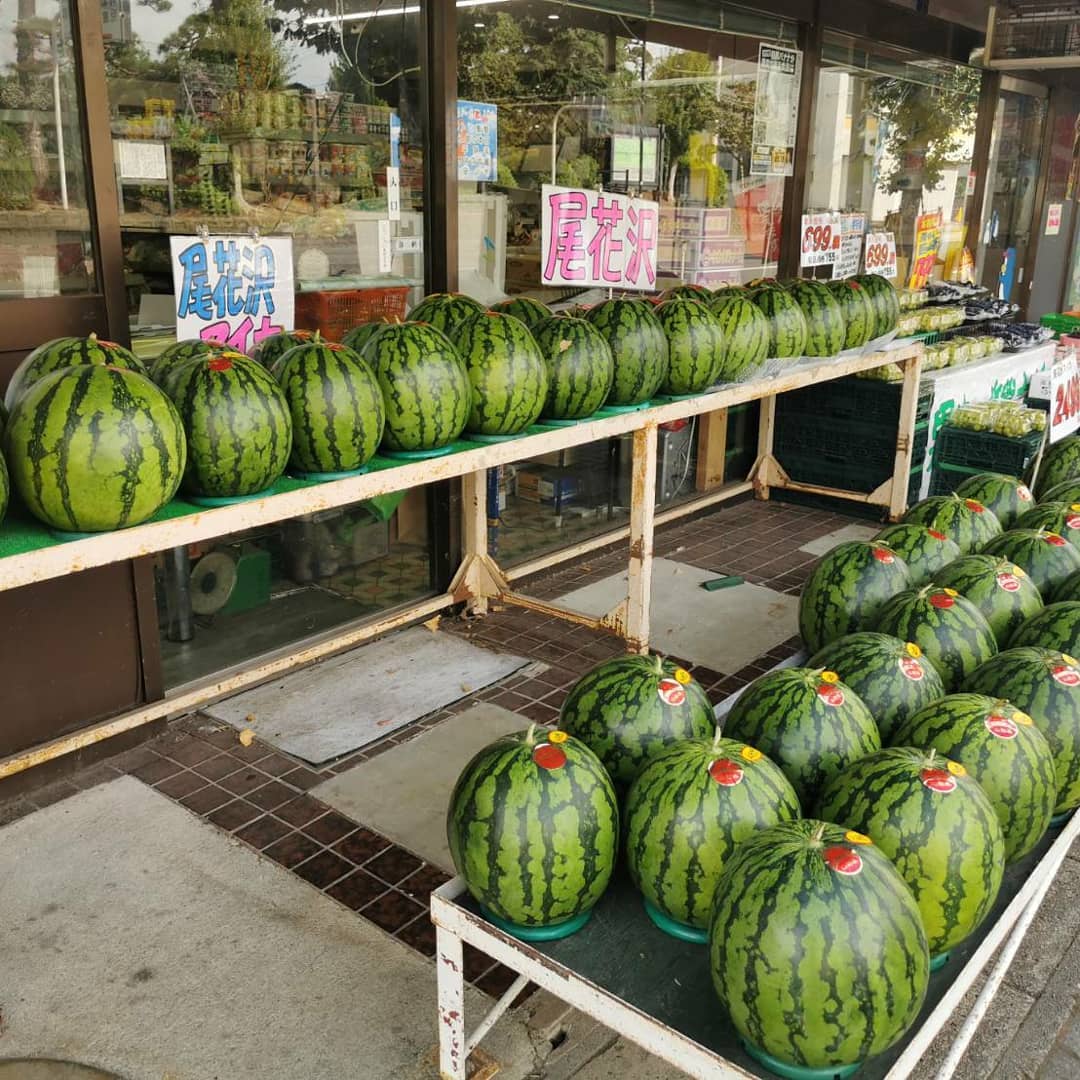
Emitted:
pixel 1001 590
pixel 628 708
pixel 580 367
pixel 885 300
pixel 1046 685
pixel 531 312
pixel 179 351
pixel 807 721
pixel 1001 747
pixel 817 947
pixel 67 352
pixel 1067 491
pixel 860 315
pixel 533 828
pixel 359 336
pixel 424 384
pixel 1004 496
pixel 3 418
pixel 268 351
pixel 508 374
pixel 1056 626
pixel 690 805
pixel 745 330
pixel 336 407
pixel 94 448
pixel 1057 517
pixel 5 488
pixel 445 311
pixel 924 550
pixel 237 421
pixel 826 329
pixel 787 324
pixel 891 677
pixel 951 632
pixel 638 345
pixel 964 521
pixel 937 825
pixel 1047 557
pixel 1069 589
pixel 686 291
pixel 1060 462
pixel 695 346
pixel 847 588
pixel 729 288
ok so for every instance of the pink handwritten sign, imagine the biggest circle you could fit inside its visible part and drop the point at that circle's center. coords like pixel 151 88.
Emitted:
pixel 598 238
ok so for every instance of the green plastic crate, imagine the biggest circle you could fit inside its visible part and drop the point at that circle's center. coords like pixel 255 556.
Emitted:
pixel 1061 324
pixel 959 453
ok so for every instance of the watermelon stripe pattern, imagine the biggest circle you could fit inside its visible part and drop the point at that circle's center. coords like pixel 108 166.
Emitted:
pixel 924 551
pixel 695 346
pixel 965 521
pixel 271 349
pixel 745 330
pixel 1001 590
pixel 1057 626
pixel 1048 559
pixel 531 312
pixel 1057 517
pixel 1004 496
pixel 1060 463
pixel 638 346
pixel 445 311
pixel 180 351
pixel 826 329
pixel 360 335
pixel 886 302
pixel 787 324
pixel 857 309
pixel 580 367
pixel 1067 491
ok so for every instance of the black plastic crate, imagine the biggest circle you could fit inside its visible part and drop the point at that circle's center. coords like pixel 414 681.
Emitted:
pixel 874 404
pixel 959 453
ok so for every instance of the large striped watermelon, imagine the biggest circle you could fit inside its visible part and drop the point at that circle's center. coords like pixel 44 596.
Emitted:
pixel 1067 491
pixel 924 550
pixel 237 421
pixel 336 406
pixel 270 349
pixel 628 708
pixel 67 352
pixel 1056 626
pixel 936 824
pixel 580 367
pixel 787 324
pixel 688 291
pixel 359 336
pixel 533 828
pixel 817 947
pixel 531 312
pixel 826 330
pixel 860 315
pixel 1060 462
pixel 886 302
pixel 892 677
pixel 1069 589
pixel 508 375
pixel 964 521
pixel 691 804
pixel 1001 747
pixel 179 352
pixel 847 588
pixel 638 345
pixel 5 488
pixel 745 330
pixel 445 311
pixel 1057 517
pixel 1004 496
pixel 695 346
pixel 949 629
pixel 1047 558
pixel 1046 685
pixel 807 721
pixel 1001 590
pixel 94 448
pixel 424 384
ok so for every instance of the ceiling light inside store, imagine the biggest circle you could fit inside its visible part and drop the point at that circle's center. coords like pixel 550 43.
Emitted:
pixel 382 13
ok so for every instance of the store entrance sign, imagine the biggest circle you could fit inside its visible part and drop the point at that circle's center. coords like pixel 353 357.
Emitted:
pixel 927 242
pixel 232 289
pixel 597 238
pixel 881 254
pixel 821 236
pixel 1064 397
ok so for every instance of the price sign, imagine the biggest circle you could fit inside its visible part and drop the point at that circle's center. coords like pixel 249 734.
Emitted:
pixel 927 242
pixel 1064 398
pixel 821 235
pixel 881 254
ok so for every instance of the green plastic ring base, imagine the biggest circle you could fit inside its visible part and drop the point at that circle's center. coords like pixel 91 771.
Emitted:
pixel 679 930
pixel 545 421
pixel 679 397
pixel 326 477
pixel 539 933
pixel 939 961
pixel 798 1072
pixel 226 500
pixel 67 537
pixel 1058 820
pixel 480 437
pixel 612 409
pixel 418 455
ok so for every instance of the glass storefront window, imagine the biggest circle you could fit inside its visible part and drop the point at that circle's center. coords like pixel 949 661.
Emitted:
pixel 45 247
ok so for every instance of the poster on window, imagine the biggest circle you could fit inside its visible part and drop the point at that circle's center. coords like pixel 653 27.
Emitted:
pixel 477 141
pixel 597 238
pixel 776 111
pixel 927 242
pixel 232 289
pixel 821 237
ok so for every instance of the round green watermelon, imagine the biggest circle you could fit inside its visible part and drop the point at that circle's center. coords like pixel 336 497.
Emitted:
pixel 886 302
pixel 179 352
pixel 924 550
pixel 424 384
pixel 1057 517
pixel 1069 589
pixel 825 325
pixel 638 346
pixel 745 330
pixel 533 828
pixel 964 521
pixel 336 407
pixel 580 367
pixel 788 331
pixel 1060 462
pixel 807 721
pixel 359 336
pixel 1056 626
pixel 445 311
pixel 1068 491
pixel 929 815
pixel 695 346
pixel 531 312
pixel 1047 557
pixel 1000 746
pixel 1004 496
pixel 94 448
pixel 950 630
pixel 684 292
pixel 270 349
pixel 67 352
pixel 857 309
pixel 817 947
pixel 891 677
pixel 1001 590
pixel 628 708
pixel 237 421
pixel 847 588
pixel 689 807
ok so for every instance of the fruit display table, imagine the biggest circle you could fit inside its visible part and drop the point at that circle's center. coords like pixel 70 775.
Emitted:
pixel 657 991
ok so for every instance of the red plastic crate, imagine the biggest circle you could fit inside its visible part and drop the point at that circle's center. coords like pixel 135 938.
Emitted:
pixel 335 313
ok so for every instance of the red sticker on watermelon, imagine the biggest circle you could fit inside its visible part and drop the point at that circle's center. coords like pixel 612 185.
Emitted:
pixel 831 695
pixel 671 692
pixel 937 535
pixel 941 600
pixel 725 772
pixel 1067 676
pixel 883 555
pixel 1057 541
pixel 911 668
pixel 219 363
pixel 1073 521
pixel 974 506
pixel 1008 582
pixel 549 757
pixel 843 860
pixel 1003 727
pixel 938 780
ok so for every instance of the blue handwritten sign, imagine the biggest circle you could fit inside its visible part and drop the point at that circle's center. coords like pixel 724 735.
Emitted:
pixel 477 141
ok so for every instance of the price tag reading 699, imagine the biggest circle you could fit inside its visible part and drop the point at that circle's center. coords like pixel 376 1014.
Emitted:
pixel 821 234
pixel 880 254
pixel 1064 399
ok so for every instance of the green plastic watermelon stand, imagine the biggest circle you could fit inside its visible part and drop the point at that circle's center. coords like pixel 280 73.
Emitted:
pixel 66 537
pixel 682 931
pixel 558 423
pixel 421 455
pixel 798 1072
pixel 1058 820
pixel 617 410
pixel 664 398
pixel 939 961
pixel 539 933
pixel 212 501
pixel 326 477
pixel 476 436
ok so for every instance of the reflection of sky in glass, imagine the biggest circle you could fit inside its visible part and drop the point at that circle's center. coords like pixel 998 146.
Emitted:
pixel 9 9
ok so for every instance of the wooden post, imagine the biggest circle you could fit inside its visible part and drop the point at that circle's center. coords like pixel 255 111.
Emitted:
pixel 711 450
pixel 766 428
pixel 905 435
pixel 474 527
pixel 642 515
